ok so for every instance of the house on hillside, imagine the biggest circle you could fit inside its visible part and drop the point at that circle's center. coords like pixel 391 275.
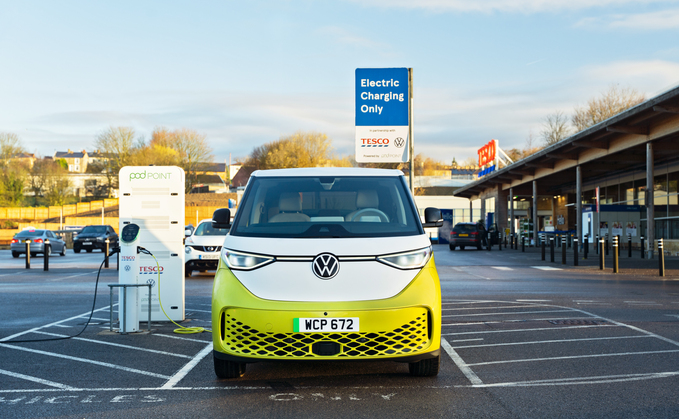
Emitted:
pixel 27 158
pixel 77 160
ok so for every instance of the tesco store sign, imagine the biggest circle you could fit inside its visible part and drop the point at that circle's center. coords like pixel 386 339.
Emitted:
pixel 487 153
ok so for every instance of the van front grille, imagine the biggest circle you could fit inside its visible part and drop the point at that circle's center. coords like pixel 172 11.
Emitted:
pixel 241 339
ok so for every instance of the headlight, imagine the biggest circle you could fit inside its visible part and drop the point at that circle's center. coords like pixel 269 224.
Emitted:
pixel 187 249
pixel 245 261
pixel 407 260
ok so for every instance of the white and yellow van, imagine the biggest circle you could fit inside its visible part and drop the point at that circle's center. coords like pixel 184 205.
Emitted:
pixel 326 264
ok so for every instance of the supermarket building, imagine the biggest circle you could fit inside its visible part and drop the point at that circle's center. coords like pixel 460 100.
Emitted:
pixel 556 188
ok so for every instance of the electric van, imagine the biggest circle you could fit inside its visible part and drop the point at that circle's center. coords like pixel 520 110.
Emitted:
pixel 326 264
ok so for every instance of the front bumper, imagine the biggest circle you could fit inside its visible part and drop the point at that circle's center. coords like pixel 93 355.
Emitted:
pixel 403 328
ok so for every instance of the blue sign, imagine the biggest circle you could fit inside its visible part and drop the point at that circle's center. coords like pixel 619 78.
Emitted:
pixel 486 171
pixel 382 96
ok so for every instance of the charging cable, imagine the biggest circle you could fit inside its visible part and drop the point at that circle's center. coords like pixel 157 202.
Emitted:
pixel 181 329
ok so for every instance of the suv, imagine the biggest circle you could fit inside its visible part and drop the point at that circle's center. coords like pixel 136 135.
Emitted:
pixel 94 237
pixel 468 234
pixel 326 264
pixel 203 247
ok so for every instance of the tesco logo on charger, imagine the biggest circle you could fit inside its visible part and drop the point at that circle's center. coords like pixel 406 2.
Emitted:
pixel 148 270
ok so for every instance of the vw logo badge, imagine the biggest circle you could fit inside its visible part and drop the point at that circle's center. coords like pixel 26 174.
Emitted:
pixel 399 142
pixel 325 266
pixel 127 268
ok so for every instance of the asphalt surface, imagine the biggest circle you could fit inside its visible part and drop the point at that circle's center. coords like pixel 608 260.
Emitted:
pixel 522 337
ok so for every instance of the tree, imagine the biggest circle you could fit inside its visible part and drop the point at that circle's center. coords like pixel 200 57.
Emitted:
pixel 191 147
pixel 612 102
pixel 10 145
pixel 117 143
pixel 555 128
pixel 301 149
pixel 49 178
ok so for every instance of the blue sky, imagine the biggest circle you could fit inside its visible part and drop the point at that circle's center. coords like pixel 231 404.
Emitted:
pixel 248 72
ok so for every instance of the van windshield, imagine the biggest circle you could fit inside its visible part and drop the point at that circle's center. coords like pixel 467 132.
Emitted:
pixel 326 207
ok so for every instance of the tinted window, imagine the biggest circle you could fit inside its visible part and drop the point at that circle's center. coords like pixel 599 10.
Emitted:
pixel 27 233
pixel 464 228
pixel 312 207
pixel 94 230
pixel 206 229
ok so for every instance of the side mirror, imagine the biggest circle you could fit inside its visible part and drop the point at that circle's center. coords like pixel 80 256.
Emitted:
pixel 221 218
pixel 432 217
pixel 187 232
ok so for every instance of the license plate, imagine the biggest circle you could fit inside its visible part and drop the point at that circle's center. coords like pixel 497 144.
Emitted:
pixel 208 256
pixel 464 235
pixel 87 243
pixel 324 324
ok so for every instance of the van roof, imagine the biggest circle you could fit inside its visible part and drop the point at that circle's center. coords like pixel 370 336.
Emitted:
pixel 327 171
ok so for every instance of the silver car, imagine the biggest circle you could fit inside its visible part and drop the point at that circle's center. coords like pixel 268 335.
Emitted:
pixel 37 238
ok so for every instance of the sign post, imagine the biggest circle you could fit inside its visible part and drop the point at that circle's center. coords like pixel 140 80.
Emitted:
pixel 384 116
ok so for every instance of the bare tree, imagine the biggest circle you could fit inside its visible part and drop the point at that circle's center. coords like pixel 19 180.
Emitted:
pixel 10 145
pixel 118 145
pixel 192 148
pixel 555 128
pixel 612 102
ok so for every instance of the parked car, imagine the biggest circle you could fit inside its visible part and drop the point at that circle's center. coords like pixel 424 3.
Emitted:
pixel 468 234
pixel 94 237
pixel 203 247
pixel 37 238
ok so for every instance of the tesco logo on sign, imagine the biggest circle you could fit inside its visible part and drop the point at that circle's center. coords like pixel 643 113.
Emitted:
pixel 381 141
pixel 150 270
pixel 487 153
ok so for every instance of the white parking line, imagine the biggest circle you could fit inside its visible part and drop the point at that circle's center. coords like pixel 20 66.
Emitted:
pixel 468 302
pixel 541 342
pixel 502 268
pixel 179 337
pixel 502 314
pixel 516 321
pixel 16 335
pixel 546 268
pixel 37 380
pixel 489 308
pixel 471 376
pixel 528 330
pixel 87 361
pixel 118 345
pixel 558 358
pixel 187 368
pixel 605 379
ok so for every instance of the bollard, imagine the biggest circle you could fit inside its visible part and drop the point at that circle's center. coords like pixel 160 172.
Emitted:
pixel 46 255
pixel 643 245
pixel 558 240
pixel 602 263
pixel 523 244
pixel 661 257
pixel 505 241
pixel 596 244
pixel 106 254
pixel 542 244
pixel 616 255
pixel 499 241
pixel 489 240
pixel 575 251
pixel 570 240
pixel 606 244
pixel 619 244
pixel 586 246
pixel 28 254
pixel 563 250
pixel 629 246
pixel 117 261
pixel 551 249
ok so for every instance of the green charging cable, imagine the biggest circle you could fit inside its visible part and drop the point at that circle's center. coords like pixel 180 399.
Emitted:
pixel 181 330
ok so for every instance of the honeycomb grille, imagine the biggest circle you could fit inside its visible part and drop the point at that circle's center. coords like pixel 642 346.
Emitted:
pixel 241 339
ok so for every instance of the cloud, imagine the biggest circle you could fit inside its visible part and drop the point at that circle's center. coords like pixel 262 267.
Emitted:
pixel 513 6
pixel 660 20
pixel 651 77
pixel 346 37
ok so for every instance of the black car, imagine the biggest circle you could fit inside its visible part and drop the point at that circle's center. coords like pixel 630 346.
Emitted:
pixel 469 234
pixel 94 237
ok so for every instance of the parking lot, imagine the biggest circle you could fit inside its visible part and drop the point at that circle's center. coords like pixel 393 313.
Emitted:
pixel 521 338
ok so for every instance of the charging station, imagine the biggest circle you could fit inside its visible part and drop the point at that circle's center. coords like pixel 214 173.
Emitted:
pixel 128 306
pixel 152 197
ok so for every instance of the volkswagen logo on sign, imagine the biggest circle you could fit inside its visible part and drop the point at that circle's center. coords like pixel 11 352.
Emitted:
pixel 399 142
pixel 325 266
